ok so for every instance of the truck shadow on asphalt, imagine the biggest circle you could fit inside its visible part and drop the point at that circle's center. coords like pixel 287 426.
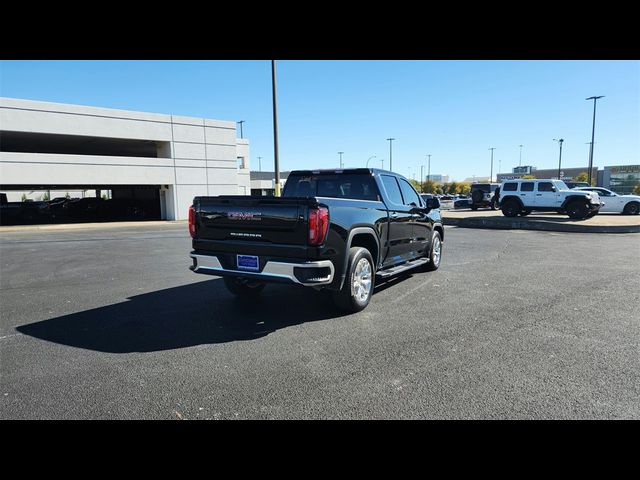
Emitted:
pixel 189 315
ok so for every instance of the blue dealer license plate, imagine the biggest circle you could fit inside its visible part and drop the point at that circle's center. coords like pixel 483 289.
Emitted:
pixel 248 262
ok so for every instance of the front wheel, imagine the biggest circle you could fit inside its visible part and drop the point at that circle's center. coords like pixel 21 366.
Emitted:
pixel 577 210
pixel 243 287
pixel 357 289
pixel 436 253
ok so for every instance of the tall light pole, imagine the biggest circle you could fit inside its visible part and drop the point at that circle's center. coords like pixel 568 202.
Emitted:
pixel 421 176
pixel 275 128
pixel 520 162
pixel 429 168
pixel 560 160
pixel 340 153
pixel 491 177
pixel 382 163
pixel 593 133
pixel 241 122
pixel 259 164
pixel 390 154
pixel 373 156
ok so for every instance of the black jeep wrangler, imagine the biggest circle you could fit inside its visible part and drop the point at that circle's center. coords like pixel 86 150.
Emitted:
pixel 482 195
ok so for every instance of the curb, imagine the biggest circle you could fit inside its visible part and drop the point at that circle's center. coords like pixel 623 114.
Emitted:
pixel 506 223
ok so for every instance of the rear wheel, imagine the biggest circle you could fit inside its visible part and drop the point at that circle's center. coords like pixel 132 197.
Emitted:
pixel 243 287
pixel 577 210
pixel 631 208
pixel 358 283
pixel 511 208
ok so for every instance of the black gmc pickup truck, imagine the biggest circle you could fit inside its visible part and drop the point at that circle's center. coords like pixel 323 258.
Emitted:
pixel 334 229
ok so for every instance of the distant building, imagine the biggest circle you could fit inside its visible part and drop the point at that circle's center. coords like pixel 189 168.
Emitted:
pixel 264 183
pixel 621 179
pixel 568 174
pixel 475 179
pixel 438 178
pixel 525 169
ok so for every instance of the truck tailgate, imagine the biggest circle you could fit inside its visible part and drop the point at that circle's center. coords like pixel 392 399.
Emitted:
pixel 253 219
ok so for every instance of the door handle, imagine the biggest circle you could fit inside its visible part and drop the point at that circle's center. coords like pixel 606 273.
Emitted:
pixel 538 194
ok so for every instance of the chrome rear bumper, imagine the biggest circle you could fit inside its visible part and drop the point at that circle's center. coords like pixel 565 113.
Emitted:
pixel 272 270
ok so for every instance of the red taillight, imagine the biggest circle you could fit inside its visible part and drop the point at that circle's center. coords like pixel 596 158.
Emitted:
pixel 192 221
pixel 318 225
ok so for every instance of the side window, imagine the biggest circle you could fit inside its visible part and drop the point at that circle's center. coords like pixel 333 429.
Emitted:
pixel 526 187
pixel 392 188
pixel 510 187
pixel 545 187
pixel 409 194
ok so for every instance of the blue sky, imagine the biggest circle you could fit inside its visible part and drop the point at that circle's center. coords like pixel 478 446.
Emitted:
pixel 453 110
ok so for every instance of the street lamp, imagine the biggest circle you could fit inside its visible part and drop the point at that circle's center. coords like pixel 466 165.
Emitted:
pixel 241 122
pixel 429 168
pixel 390 154
pixel 520 163
pixel 593 132
pixel 275 128
pixel 491 177
pixel 559 161
pixel 259 164
pixel 373 156
pixel 340 153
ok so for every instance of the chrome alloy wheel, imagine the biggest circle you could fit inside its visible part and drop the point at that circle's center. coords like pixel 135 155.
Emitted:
pixel 361 283
pixel 436 251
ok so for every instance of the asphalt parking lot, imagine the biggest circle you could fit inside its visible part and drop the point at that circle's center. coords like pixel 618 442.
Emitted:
pixel 110 324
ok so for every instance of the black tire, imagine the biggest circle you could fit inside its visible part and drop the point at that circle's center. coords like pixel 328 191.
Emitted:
pixel 434 260
pixel 243 287
pixel 631 208
pixel 474 207
pixel 494 205
pixel 577 210
pixel 524 213
pixel 511 208
pixel 477 196
pixel 348 298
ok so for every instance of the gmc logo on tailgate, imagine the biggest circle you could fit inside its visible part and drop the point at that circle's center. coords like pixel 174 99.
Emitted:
pixel 244 215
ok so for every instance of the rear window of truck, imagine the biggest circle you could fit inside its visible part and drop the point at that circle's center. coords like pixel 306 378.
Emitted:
pixel 357 187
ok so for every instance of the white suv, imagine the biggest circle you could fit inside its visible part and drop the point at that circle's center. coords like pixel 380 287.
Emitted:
pixel 521 197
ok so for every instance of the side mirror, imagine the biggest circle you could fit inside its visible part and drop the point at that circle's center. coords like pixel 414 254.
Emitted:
pixel 433 202
pixel 554 189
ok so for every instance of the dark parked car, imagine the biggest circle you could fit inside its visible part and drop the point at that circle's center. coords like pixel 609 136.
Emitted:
pixel 339 230
pixel 576 184
pixel 122 209
pixel 83 208
pixel 16 213
pixel 462 203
